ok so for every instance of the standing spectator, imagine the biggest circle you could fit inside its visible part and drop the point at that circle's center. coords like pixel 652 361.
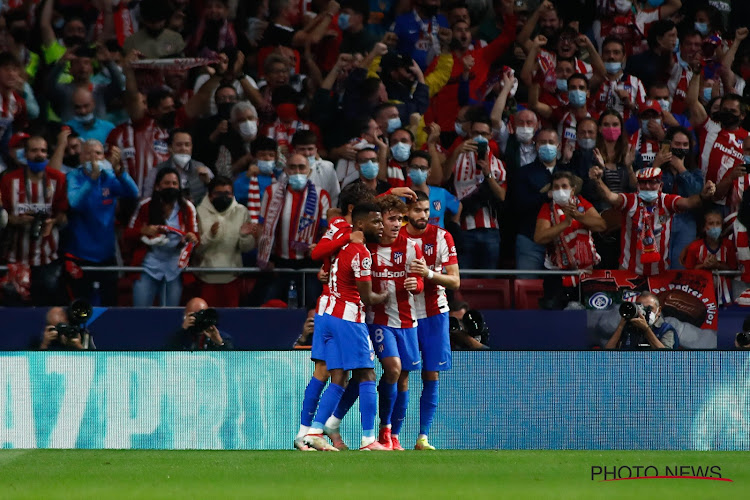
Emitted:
pixel 36 201
pixel 355 38
pixel 212 132
pixel 214 32
pixel 368 168
pixel 322 172
pixel 262 171
pixel 647 138
pixel 401 142
pixel 73 34
pixel 656 63
pixel 417 32
pixel 713 252
pixel 93 191
pixel 72 154
pixel 226 233
pixel 13 107
pixel 405 84
pixel 620 91
pixel 84 122
pixel 166 227
pixel 368 134
pixel 285 101
pixel 153 39
pixel 441 201
pixel 194 175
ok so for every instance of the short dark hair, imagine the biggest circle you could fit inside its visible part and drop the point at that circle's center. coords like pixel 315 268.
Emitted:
pixel 362 210
pixel 737 98
pixel 225 86
pixel 579 76
pixel 263 143
pixel 403 129
pixel 9 59
pixel 380 107
pixel 358 6
pixel 613 39
pixel 304 138
pixel 356 192
pixel 218 181
pixel 356 155
pixel 421 196
pixel 176 131
pixel 421 154
pixel 156 96
pixel 659 29
pixel 483 118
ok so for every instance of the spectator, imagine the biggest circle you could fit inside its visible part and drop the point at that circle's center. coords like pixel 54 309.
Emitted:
pixel 713 252
pixel 165 230
pixel 620 91
pixel 647 138
pixel 405 84
pixel 516 139
pixel 369 133
pixel 263 170
pixel 322 172
pixel 657 62
pixel 214 33
pixel 73 34
pixel 72 155
pixel 13 116
pixel 84 122
pixel 93 191
pixel 461 339
pixel 58 338
pixel 194 175
pixel 190 338
pixel 368 168
pixel 212 132
pixel 285 101
pixel 401 142
pixel 417 32
pixel 229 72
pixel 153 39
pixel 355 38
pixel 226 233
pixel 441 201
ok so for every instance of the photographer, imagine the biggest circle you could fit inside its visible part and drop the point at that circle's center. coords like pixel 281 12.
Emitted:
pixel 199 331
pixel 65 328
pixel 643 327
pixel 467 328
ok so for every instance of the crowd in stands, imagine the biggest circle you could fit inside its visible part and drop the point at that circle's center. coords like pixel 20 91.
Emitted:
pixel 568 134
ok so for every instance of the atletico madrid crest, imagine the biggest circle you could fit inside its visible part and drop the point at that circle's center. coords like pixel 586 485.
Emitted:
pixel 429 249
pixel 398 257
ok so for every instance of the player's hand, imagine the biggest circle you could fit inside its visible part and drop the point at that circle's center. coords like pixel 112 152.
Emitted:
pixel 357 237
pixel 410 284
pixel 419 266
pixel 404 192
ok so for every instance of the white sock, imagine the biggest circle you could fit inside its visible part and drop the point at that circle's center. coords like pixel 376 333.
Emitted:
pixel 303 429
pixel 387 426
pixel 366 441
pixel 421 436
pixel 333 423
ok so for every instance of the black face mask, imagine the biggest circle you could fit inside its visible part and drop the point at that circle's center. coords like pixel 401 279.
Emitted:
pixel 222 202
pixel 72 160
pixel 72 41
pixel 224 110
pixel 726 118
pixel 169 195
pixel 680 153
pixel 20 34
pixel 167 120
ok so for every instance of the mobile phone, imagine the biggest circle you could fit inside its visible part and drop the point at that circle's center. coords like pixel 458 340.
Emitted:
pixel 482 150
pixel 665 148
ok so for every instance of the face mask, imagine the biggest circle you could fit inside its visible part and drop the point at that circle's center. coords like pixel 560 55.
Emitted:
pixel 167 120
pixel 169 195
pixel 103 165
pixel 286 112
pixel 222 202
pixel 393 124
pixel 344 21
pixel 298 181
pixel 266 166
pixel 747 158
pixel 561 196
pixel 85 119
pixel 648 196
pixel 577 98
pixel 480 140
pixel 648 315
pixel 707 94
pixel 181 159
pixel 224 110
pixel 727 119
pixel 623 5
pixel 369 170
pixel 655 3
pixel 312 159
pixel 677 47
pixel 701 28
pixel 525 134
pixel 611 134
pixel 459 129
pixel 680 153
pixel 548 153
pixel 248 129
pixel 586 144
pixel 562 85
pixel 401 151
pixel 21 156
pixel 713 233
pixel 72 160
pixel 37 166
pixel 72 41
pixel 644 125
pixel 613 67
pixel 665 104
pixel 20 35
pixel 417 176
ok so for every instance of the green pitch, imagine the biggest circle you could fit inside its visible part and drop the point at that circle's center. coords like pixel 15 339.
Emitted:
pixel 214 475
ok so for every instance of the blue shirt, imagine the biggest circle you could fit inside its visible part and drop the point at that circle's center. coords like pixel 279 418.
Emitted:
pixel 242 186
pixel 91 220
pixel 440 202
pixel 414 36
pixel 99 131
pixel 162 262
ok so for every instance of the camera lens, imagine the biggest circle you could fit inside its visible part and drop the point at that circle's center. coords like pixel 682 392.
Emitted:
pixel 628 310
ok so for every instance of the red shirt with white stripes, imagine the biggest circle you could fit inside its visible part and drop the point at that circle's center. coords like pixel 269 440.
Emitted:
pixel 143 146
pixel 646 146
pixel 607 98
pixel 567 128
pixel 398 174
pixel 21 197
pixel 720 150
pixel 12 113
pixel 326 250
pixel 390 268
pixel 697 253
pixel 439 251
pixel 352 264
pixel 633 213
pixel 467 176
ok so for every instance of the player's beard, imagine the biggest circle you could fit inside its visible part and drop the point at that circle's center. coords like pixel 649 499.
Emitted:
pixel 419 224
pixel 372 237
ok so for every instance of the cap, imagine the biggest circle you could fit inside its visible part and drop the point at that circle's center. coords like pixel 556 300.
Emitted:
pixel 646 174
pixel 16 139
pixel 394 60
pixel 649 104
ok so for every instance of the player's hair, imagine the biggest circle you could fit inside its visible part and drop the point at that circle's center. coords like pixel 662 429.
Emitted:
pixel 263 143
pixel 363 210
pixel 579 76
pixel 176 131
pixel 411 134
pixel 356 155
pixel 353 194
pixel 304 138
pixel 391 203
pixel 218 181
pixel 421 196
pixel 648 294
pixel 420 154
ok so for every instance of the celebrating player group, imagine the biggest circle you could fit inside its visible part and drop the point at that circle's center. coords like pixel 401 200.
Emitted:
pixel 384 296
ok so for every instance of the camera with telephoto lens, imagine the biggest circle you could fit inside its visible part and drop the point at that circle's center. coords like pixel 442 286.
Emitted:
pixel 79 312
pixel 628 311
pixel 205 319
pixel 36 225
pixel 743 338
pixel 476 327
pixel 632 336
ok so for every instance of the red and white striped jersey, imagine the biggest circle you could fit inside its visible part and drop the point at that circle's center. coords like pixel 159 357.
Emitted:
pixel 289 243
pixel 647 147
pixel 697 253
pixel 678 87
pixel 352 264
pixel 397 175
pixel 633 213
pixel 607 98
pixel 467 176
pixel 143 146
pixel 326 250
pixel 439 251
pixel 568 124
pixel 390 268
pixel 720 151
pixel 548 61
pixel 21 197
pixel 12 113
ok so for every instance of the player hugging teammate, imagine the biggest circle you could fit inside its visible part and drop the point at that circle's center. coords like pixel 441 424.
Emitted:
pixel 401 275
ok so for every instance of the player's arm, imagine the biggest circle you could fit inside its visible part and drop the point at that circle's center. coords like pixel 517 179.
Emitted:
pixel 328 246
pixel 450 278
pixel 368 296
pixel 414 282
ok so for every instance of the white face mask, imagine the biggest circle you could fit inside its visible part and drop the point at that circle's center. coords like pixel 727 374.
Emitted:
pixel 181 159
pixel 561 196
pixel 525 134
pixel 249 129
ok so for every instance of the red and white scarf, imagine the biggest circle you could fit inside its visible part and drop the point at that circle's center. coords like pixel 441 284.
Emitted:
pixel 468 176
pixel 574 247
pixel 253 199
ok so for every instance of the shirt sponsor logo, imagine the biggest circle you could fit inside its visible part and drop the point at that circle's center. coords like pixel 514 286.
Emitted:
pixel 389 274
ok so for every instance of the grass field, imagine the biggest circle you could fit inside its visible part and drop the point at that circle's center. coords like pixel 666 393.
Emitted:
pixel 105 474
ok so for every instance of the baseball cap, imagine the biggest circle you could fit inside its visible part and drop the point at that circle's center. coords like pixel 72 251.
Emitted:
pixel 649 104
pixel 646 174
pixel 17 139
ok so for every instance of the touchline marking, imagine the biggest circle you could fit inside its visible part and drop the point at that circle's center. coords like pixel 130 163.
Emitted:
pixel 670 477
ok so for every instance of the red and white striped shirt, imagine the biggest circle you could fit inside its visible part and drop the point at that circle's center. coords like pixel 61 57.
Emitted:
pixel 439 251
pixel 12 113
pixel 143 146
pixel 18 201
pixel 467 176
pixel 390 268
pixel 397 175
pixel 352 264
pixel 647 147
pixel 567 128
pixel 720 151
pixel 288 244
pixel 697 253
pixel 607 98
pixel 678 87
pixel 633 213
pixel 548 61
pixel 326 250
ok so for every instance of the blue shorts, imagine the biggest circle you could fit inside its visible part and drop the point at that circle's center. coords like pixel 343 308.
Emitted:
pixel 349 347
pixel 396 342
pixel 435 343
pixel 320 338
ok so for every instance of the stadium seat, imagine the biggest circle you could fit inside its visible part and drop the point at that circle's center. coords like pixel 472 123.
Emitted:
pixel 527 293
pixel 486 293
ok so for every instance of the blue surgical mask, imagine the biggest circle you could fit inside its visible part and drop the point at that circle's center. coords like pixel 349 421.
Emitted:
pixel 37 166
pixel 103 165
pixel 480 139
pixel 577 98
pixel 312 160
pixel 459 129
pixel 648 196
pixel 547 153
pixel 85 119
pixel 393 124
pixel 298 181
pixel 701 28
pixel 655 3
pixel 677 47
pixel 266 166
pixel 417 176
pixel 747 159
pixel 344 21
pixel 369 169
pixel 612 67
pixel 586 144
pixel 644 125
pixel 714 232
pixel 21 156
pixel 401 151
pixel 562 85
pixel 707 93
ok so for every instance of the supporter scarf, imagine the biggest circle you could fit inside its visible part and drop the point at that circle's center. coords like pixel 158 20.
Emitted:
pixel 253 200
pixel 646 239
pixel 574 247
pixel 161 239
pixel 283 134
pixel 469 176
